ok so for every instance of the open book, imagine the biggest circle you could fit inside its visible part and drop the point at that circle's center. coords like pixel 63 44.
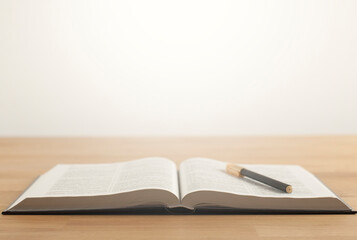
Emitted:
pixel 201 184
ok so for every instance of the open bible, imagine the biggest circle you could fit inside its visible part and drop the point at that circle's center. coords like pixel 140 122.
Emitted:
pixel 200 185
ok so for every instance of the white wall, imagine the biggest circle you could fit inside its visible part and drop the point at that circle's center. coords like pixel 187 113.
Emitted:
pixel 182 67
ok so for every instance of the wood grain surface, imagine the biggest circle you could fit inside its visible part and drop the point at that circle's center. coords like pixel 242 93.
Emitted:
pixel 332 158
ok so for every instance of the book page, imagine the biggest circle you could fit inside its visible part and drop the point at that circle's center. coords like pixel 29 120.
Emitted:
pixel 207 174
pixel 104 179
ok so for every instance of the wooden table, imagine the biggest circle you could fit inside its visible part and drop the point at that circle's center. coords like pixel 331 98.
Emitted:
pixel 332 159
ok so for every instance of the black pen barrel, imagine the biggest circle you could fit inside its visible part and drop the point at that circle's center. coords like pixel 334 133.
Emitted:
pixel 266 180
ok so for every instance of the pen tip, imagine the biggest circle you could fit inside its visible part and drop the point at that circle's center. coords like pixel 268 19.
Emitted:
pixel 233 169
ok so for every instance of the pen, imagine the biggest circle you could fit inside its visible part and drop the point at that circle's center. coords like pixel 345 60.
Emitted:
pixel 242 172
